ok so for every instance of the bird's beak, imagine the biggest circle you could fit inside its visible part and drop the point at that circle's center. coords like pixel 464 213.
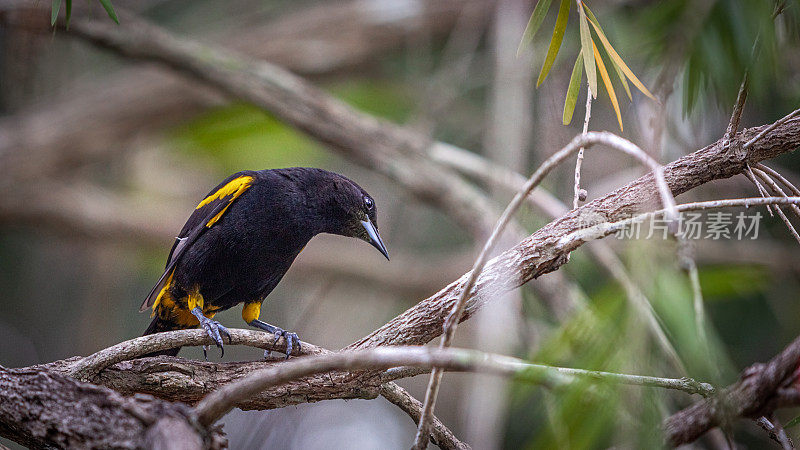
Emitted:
pixel 374 237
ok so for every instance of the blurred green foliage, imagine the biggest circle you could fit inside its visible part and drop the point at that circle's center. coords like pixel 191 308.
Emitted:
pixel 716 42
pixel 241 136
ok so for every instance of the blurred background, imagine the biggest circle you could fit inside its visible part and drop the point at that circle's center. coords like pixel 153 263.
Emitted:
pixel 102 159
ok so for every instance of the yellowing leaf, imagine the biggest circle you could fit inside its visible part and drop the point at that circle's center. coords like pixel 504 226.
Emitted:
pixel 555 42
pixel 622 79
pixel 573 89
pixel 617 69
pixel 607 83
pixel 618 61
pixel 534 23
pixel 586 51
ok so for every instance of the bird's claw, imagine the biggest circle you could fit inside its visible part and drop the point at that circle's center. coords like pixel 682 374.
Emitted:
pixel 215 330
pixel 291 341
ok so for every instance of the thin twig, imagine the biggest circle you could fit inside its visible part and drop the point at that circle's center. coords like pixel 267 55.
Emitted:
pixel 689 265
pixel 218 403
pixel 777 190
pixel 738 108
pixel 576 238
pixel 748 172
pixel 579 162
pixel 774 125
pixel 775 432
pixel 584 140
pixel 777 175
pixel 495 175
pixel 440 434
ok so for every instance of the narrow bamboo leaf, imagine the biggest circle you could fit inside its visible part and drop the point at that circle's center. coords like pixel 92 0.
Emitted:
pixel 622 79
pixel 54 12
pixel 109 10
pixel 69 11
pixel 607 83
pixel 573 89
pixel 586 51
pixel 539 12
pixel 618 61
pixel 555 42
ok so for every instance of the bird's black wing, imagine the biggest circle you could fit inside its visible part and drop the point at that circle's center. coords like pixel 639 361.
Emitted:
pixel 207 213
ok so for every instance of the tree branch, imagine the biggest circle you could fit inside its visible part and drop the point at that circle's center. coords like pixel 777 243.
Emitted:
pixel 42 409
pixel 577 145
pixel 759 391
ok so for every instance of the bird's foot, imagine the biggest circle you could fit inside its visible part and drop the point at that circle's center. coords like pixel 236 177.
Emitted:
pixel 214 329
pixel 292 340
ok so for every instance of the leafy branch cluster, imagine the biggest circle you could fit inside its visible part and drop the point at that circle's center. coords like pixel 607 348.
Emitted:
pixel 589 60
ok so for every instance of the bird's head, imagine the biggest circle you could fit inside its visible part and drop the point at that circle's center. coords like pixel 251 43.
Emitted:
pixel 350 211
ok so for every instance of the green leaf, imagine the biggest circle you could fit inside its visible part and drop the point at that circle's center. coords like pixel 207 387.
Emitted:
pixel 542 6
pixel 555 42
pixel 617 69
pixel 588 52
pixel 618 60
pixel 792 422
pixel 54 13
pixel 607 83
pixel 110 10
pixel 573 89
pixel 69 11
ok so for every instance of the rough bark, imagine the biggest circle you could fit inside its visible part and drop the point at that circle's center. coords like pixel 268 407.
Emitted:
pixel 760 390
pixel 43 409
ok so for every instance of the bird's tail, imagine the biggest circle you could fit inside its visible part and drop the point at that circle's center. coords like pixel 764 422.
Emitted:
pixel 159 325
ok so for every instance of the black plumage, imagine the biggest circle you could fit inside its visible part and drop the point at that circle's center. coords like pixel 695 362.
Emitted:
pixel 243 237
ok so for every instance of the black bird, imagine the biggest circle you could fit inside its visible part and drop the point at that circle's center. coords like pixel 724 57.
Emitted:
pixel 241 239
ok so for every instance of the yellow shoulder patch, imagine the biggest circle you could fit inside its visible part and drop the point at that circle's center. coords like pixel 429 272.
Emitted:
pixel 232 189
pixel 163 295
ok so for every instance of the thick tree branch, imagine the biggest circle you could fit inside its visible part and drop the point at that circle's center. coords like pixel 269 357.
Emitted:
pixel 760 390
pixel 537 254
pixel 577 145
pixel 42 409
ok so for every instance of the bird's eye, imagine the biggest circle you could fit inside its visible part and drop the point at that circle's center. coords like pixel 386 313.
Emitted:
pixel 368 203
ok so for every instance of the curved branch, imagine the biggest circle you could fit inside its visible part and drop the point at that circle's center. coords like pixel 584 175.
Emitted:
pixel 88 367
pixel 538 254
pixel 759 391
pixel 578 144
pixel 218 403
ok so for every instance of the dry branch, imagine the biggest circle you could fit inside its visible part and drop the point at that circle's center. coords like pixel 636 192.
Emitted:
pixel 579 144
pixel 536 255
pixel 761 389
pixel 42 409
